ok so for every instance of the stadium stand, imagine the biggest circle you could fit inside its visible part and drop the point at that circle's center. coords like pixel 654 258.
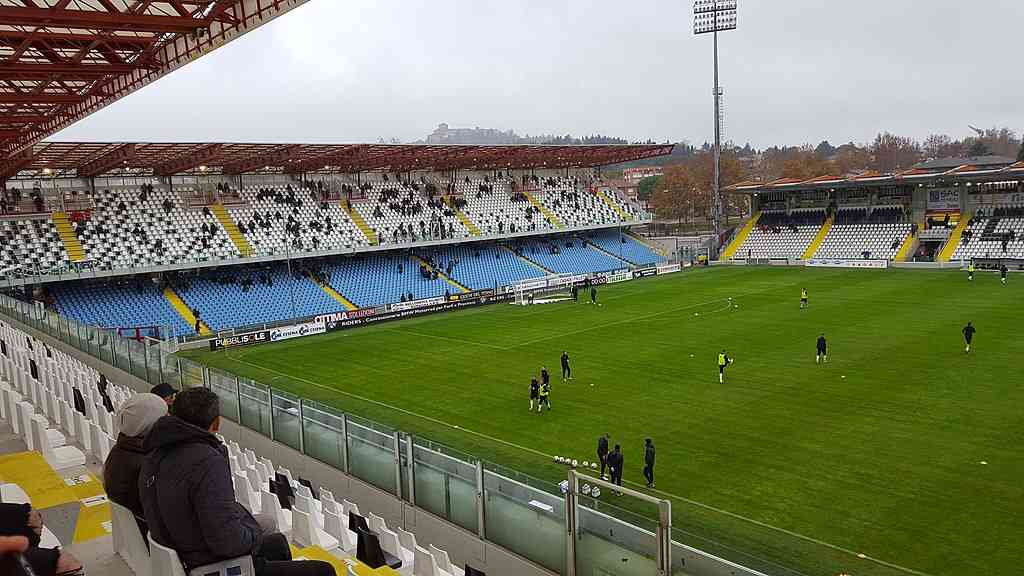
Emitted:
pixel 117 304
pixel 275 219
pixel 400 213
pixel 496 209
pixel 31 245
pixel 569 256
pixel 150 226
pixel 574 206
pixel 376 279
pixel 856 233
pixel 480 266
pixel 63 397
pixel 624 246
pixel 782 235
pixel 996 231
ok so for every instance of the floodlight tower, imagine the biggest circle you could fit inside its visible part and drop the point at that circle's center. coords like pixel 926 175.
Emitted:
pixel 712 17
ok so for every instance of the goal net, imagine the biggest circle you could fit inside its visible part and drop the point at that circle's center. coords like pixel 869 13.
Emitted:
pixel 546 291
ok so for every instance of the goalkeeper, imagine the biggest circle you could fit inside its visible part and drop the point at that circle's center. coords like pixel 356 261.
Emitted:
pixel 723 361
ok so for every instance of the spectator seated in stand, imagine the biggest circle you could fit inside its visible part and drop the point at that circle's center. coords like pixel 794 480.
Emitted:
pixel 188 496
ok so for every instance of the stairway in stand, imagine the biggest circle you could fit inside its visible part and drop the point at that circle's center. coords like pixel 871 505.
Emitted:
pixel 357 219
pixel 236 236
pixel 548 214
pixel 67 235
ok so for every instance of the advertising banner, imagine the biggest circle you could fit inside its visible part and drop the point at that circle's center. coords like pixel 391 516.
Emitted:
pixel 399 306
pixel 533 285
pixel 240 340
pixel 669 268
pixel 844 263
pixel 297 331
pixel 987 199
pixel 645 272
pixel 353 321
pixel 619 276
pixel 943 199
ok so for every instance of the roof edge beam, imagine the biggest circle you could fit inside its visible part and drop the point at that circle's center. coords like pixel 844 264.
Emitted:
pixel 110 160
pixel 189 161
pixel 276 158
pixel 13 164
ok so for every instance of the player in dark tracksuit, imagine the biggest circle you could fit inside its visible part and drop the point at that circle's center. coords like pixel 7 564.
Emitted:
pixel 545 378
pixel 649 462
pixel 1002 273
pixel 968 336
pixel 534 392
pixel 602 452
pixel 566 371
pixel 615 463
pixel 593 294
pixel 822 350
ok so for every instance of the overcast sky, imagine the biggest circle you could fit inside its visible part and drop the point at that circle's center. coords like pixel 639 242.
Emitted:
pixel 797 71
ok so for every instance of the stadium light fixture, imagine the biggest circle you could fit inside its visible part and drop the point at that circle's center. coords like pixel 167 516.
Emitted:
pixel 712 17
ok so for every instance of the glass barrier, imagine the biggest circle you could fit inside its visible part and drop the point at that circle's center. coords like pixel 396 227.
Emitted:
pixel 192 374
pixel 254 404
pixel 323 436
pixel 224 385
pixel 137 359
pixel 121 354
pixel 445 484
pixel 371 454
pixel 154 365
pixel 525 519
pixel 287 427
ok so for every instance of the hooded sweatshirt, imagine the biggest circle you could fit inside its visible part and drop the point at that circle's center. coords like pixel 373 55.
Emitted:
pixel 188 497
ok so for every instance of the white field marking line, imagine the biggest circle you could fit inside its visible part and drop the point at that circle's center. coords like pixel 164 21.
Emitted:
pixel 395 408
pixel 797 535
pixel 644 317
pixel 448 338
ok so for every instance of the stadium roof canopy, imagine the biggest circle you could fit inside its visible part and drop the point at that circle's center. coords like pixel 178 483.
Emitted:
pixel 947 171
pixel 61 60
pixel 91 159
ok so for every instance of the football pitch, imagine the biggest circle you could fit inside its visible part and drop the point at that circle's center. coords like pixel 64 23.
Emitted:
pixel 901 455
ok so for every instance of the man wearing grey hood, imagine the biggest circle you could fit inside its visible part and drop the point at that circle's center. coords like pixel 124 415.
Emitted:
pixel 121 470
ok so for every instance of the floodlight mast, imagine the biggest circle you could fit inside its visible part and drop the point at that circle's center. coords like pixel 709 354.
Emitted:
pixel 712 17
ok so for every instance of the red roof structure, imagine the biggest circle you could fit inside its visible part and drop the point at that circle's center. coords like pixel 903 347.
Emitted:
pixel 61 60
pixel 91 159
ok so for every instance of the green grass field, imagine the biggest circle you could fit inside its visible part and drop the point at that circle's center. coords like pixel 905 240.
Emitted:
pixel 790 461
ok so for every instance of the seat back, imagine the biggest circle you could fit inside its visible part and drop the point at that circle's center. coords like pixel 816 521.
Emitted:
pixel 423 563
pixel 272 507
pixel 349 507
pixel 369 551
pixel 128 542
pixel 441 557
pixel 38 435
pixel 242 493
pixel 334 527
pixel 376 523
pixel 25 411
pixel 406 539
pixel 389 542
pixel 163 561
pixel 303 533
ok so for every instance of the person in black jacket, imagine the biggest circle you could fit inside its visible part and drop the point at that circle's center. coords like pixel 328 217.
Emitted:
pixel 21 521
pixel 649 462
pixel 602 453
pixel 189 500
pixel 615 463
pixel 121 470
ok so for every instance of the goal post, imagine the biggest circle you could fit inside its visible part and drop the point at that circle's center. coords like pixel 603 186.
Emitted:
pixel 546 290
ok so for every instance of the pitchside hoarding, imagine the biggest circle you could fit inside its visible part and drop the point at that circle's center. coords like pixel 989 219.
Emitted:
pixel 844 263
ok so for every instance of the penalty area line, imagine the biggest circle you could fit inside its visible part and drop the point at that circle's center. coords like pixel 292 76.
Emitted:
pixel 549 457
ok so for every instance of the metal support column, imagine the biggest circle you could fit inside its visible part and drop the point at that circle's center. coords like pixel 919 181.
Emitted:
pixel 397 439
pixel 480 512
pixel 344 438
pixel 410 473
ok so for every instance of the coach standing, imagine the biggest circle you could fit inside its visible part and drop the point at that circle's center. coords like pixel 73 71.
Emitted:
pixel 615 463
pixel 649 462
pixel 602 453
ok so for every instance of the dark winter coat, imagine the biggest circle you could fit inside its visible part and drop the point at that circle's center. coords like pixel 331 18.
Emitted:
pixel 188 497
pixel 649 455
pixel 121 473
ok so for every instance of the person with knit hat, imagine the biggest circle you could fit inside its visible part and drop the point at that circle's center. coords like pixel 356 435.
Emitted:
pixel 121 470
